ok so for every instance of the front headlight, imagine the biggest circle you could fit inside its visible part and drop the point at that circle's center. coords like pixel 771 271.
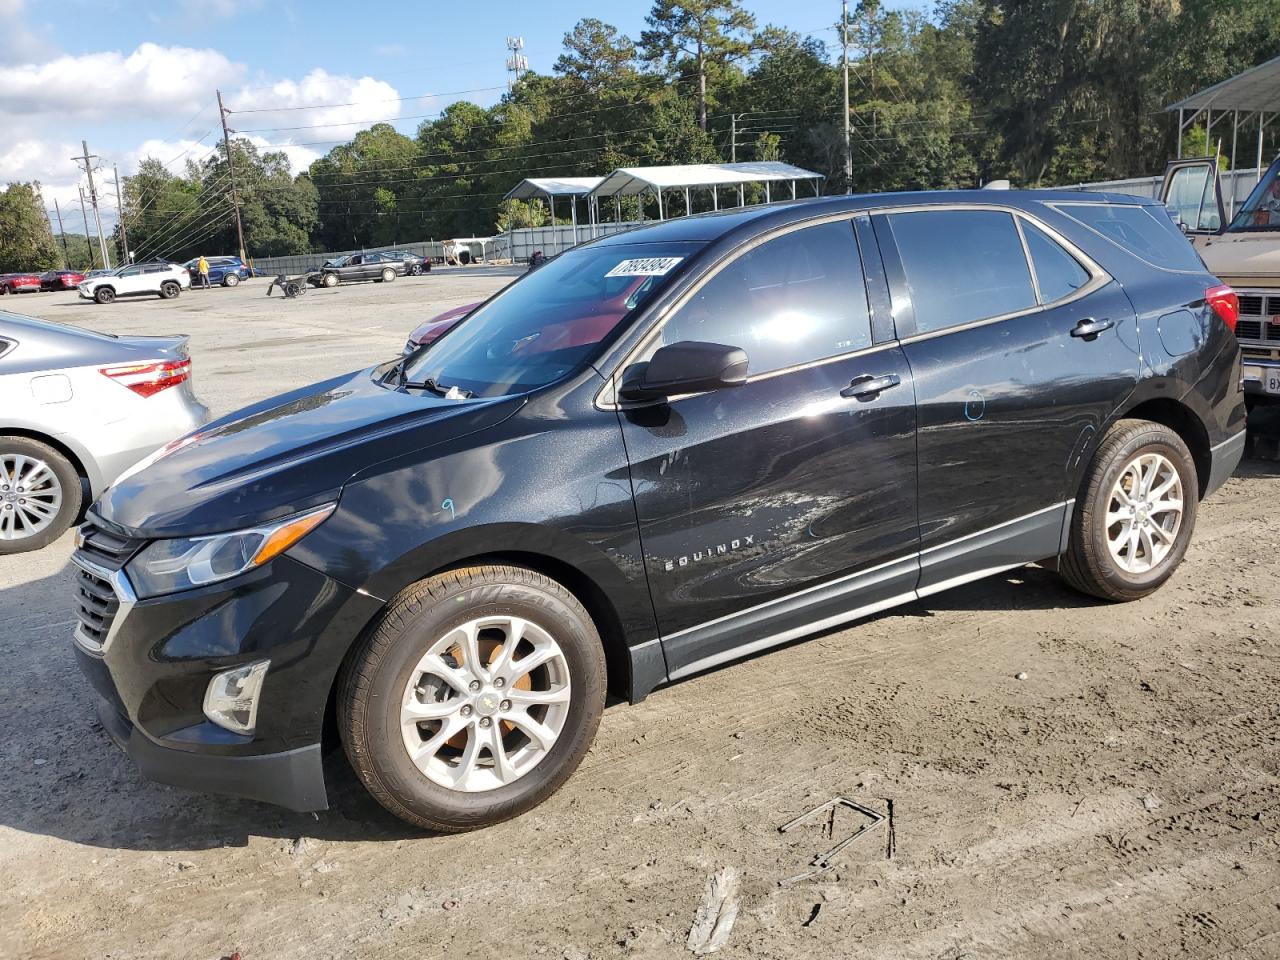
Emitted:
pixel 167 566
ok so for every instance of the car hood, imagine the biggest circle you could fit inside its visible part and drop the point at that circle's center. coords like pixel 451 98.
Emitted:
pixel 284 455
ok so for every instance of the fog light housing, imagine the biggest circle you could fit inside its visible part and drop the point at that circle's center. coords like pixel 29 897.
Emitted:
pixel 231 701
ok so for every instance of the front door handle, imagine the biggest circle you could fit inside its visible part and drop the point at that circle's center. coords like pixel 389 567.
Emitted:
pixel 868 387
pixel 1088 328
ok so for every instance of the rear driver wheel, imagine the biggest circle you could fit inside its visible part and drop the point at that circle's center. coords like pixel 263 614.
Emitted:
pixel 388 274
pixel 474 699
pixel 1135 513
pixel 170 289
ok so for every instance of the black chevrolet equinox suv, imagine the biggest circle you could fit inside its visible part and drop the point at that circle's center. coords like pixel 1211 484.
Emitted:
pixel 661 451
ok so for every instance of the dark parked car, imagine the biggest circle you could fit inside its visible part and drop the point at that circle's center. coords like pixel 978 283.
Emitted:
pixel 662 451
pixel 414 264
pixel 357 266
pixel 19 283
pixel 225 271
pixel 61 279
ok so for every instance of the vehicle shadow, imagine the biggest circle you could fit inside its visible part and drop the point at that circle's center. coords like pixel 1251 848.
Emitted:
pixel 1262 443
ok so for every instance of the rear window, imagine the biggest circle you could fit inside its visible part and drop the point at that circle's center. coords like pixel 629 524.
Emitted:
pixel 1145 231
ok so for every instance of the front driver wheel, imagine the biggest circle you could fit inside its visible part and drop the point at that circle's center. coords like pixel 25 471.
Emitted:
pixel 330 280
pixel 476 696
pixel 1135 513
pixel 104 295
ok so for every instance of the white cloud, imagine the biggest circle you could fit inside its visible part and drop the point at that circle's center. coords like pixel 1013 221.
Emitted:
pixel 283 104
pixel 150 78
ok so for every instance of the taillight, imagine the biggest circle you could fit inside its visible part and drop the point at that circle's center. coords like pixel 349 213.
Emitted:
pixel 148 379
pixel 1225 304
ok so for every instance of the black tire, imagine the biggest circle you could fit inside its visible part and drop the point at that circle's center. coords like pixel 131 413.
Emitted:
pixel 68 480
pixel 330 280
pixel 4 289
pixel 231 280
pixel 170 289
pixel 294 289
pixel 388 274
pixel 104 294
pixel 374 679
pixel 415 270
pixel 1088 564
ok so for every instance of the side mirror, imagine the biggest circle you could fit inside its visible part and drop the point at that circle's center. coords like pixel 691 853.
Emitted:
pixel 685 367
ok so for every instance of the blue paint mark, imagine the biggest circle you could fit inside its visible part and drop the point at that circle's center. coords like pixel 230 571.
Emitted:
pixel 975 406
pixel 447 504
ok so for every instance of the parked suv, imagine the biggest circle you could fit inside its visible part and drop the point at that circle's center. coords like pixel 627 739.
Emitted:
pixel 157 279
pixel 226 271
pixel 661 451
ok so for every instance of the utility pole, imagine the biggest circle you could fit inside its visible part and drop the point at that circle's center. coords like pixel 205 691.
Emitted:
pixel 93 198
pixel 66 254
pixel 848 146
pixel 733 137
pixel 124 230
pixel 44 207
pixel 88 242
pixel 231 169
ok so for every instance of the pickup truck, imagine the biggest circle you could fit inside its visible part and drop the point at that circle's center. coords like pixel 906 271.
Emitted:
pixel 1242 250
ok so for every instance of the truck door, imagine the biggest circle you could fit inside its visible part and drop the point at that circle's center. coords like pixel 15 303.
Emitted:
pixel 1192 190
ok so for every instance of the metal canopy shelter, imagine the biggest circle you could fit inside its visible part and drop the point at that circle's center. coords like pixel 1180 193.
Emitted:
pixel 1256 92
pixel 549 188
pixel 635 181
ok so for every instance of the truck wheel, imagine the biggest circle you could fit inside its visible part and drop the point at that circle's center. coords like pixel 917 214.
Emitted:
pixel 474 698
pixel 1135 513
pixel 39 495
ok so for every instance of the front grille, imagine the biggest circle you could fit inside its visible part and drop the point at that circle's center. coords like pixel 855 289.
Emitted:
pixel 1256 313
pixel 96 601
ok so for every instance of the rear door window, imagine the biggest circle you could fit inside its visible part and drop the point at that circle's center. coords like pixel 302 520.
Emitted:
pixel 1058 273
pixel 962 265
pixel 1147 232
pixel 794 299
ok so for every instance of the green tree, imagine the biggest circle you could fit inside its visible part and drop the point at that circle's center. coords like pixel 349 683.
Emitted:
pixel 25 240
pixel 707 32
pixel 597 56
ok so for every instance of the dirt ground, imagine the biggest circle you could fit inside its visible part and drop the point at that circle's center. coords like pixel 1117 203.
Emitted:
pixel 1120 801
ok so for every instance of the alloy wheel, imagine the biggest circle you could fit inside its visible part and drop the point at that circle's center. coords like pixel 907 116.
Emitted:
pixel 485 704
pixel 30 496
pixel 1144 513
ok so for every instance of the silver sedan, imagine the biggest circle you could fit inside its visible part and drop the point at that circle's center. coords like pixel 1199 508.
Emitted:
pixel 77 409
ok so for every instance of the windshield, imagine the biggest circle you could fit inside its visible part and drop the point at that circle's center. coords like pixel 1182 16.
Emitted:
pixel 1262 210
pixel 549 322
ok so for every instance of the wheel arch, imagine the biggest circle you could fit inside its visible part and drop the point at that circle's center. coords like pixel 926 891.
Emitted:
pixel 1183 421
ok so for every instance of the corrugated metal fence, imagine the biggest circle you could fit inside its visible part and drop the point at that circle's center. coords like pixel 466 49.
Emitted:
pixel 1235 184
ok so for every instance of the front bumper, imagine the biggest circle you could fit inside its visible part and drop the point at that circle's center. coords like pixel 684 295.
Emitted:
pixel 1253 377
pixel 153 661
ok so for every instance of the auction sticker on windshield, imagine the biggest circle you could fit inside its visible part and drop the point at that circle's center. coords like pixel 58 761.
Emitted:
pixel 645 267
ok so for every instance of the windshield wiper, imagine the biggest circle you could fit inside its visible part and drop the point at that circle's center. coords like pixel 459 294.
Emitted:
pixel 452 393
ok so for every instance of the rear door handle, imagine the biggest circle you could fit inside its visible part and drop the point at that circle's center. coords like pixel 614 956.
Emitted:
pixel 868 387
pixel 1088 328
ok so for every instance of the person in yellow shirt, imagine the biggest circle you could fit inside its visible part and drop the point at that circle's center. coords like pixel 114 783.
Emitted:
pixel 202 268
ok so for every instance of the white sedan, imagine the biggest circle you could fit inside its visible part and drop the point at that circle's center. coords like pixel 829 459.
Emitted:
pixel 157 279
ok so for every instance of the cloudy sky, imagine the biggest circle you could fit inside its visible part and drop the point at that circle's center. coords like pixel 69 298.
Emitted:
pixel 137 79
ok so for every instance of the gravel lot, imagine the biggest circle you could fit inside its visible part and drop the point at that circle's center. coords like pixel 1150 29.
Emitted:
pixel 1121 801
